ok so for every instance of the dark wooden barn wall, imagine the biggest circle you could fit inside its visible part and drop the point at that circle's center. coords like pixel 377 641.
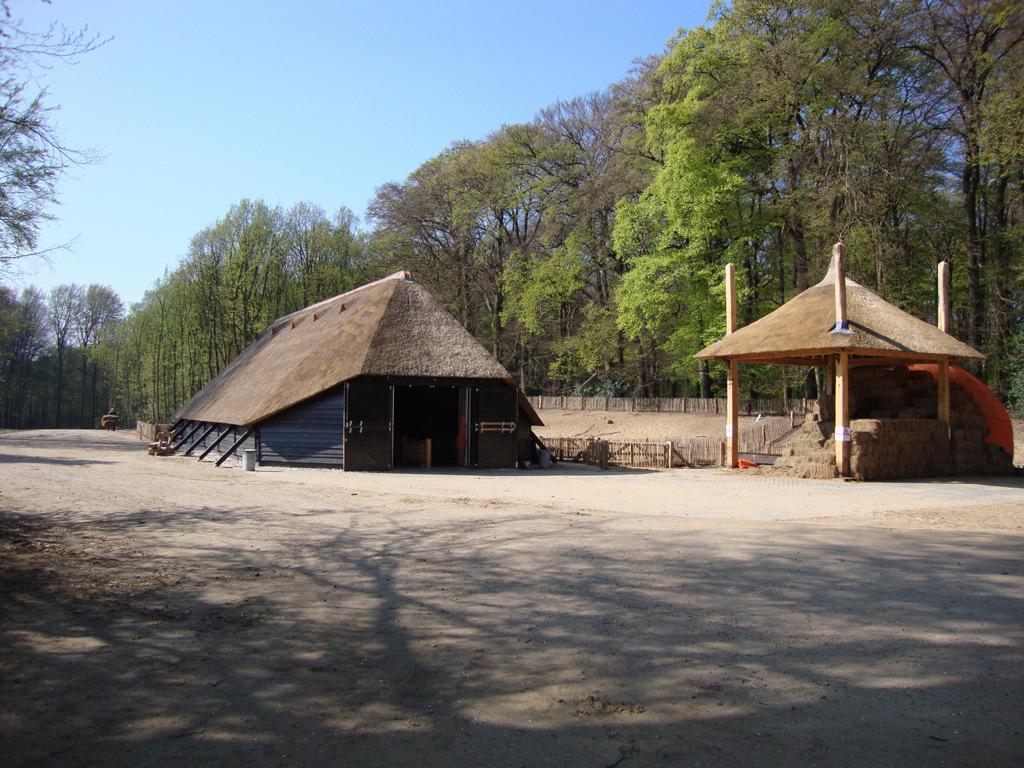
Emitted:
pixel 309 433
pixel 524 433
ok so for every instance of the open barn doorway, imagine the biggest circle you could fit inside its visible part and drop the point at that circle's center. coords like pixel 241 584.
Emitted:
pixel 429 429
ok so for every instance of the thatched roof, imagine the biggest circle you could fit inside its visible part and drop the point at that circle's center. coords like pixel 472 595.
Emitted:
pixel 800 331
pixel 392 327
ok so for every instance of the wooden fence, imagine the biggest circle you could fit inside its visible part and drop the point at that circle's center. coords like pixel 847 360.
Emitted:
pixel 776 407
pixel 701 451
pixel 147 430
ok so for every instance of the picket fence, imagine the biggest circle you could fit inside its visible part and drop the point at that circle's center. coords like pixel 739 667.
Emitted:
pixel 766 406
pixel 701 451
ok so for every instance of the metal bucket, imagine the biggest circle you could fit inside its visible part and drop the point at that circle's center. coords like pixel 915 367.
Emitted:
pixel 249 459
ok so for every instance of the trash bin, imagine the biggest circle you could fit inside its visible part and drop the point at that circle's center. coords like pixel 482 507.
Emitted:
pixel 544 460
pixel 249 459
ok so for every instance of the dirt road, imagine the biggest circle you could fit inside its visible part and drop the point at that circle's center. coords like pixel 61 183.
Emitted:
pixel 162 612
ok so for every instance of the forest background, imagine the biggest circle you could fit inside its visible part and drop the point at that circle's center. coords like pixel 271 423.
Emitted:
pixel 586 248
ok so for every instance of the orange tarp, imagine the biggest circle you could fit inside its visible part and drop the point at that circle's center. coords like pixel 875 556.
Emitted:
pixel 1000 428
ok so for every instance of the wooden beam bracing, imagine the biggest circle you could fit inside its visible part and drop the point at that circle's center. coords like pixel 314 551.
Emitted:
pixel 197 441
pixel 234 447
pixel 215 443
pixel 186 434
pixel 843 437
pixel 819 356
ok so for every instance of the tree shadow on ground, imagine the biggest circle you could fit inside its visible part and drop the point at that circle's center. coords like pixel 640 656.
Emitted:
pixel 64 440
pixel 6 458
pixel 417 645
pixel 1011 481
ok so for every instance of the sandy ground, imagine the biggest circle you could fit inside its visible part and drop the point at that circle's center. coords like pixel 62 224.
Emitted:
pixel 163 612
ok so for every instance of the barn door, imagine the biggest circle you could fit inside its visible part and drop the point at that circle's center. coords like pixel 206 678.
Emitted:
pixel 495 427
pixel 368 416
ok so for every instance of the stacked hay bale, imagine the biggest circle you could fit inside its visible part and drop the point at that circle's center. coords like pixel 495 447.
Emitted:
pixel 895 432
pixel 811 451
pixel 885 449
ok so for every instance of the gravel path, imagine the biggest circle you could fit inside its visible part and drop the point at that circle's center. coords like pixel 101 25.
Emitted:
pixel 162 612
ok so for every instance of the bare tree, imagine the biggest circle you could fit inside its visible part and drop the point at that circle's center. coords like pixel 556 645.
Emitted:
pixel 101 308
pixel 66 303
pixel 33 157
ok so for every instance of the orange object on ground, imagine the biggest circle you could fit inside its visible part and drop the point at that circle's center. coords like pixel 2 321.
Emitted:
pixel 744 464
pixel 1000 428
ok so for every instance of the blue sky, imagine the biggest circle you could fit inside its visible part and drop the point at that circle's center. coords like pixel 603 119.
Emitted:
pixel 196 105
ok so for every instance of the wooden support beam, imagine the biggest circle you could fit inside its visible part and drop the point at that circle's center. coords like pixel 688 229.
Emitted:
pixel 944 391
pixel 234 447
pixel 943 313
pixel 830 379
pixel 186 434
pixel 732 407
pixel 842 433
pixel 842 322
pixel 197 441
pixel 215 443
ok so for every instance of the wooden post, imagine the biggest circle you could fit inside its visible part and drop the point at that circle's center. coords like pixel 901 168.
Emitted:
pixel 842 323
pixel 830 378
pixel 668 455
pixel 732 426
pixel 943 323
pixel 943 313
pixel 732 436
pixel 842 434
pixel 944 390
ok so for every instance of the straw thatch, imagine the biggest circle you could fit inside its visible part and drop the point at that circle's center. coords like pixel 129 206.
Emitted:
pixel 392 327
pixel 800 331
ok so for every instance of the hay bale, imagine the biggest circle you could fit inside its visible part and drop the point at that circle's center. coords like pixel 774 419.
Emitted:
pixel 866 426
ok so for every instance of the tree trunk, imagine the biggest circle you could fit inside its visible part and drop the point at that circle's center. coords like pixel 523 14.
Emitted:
pixel 704 377
pixel 60 386
pixel 975 303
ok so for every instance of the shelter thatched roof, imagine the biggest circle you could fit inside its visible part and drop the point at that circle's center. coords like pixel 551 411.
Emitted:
pixel 392 327
pixel 800 331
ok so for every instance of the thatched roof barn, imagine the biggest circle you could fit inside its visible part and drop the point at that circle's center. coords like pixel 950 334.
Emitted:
pixel 876 401
pixel 378 376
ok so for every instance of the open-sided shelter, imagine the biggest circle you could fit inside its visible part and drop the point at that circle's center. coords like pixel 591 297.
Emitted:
pixel 378 377
pixel 859 337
